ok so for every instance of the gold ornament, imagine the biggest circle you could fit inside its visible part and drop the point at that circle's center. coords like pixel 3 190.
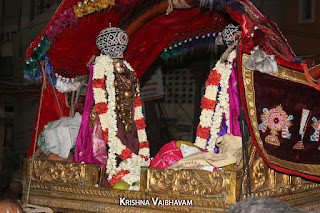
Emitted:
pixel 128 94
pixel 135 95
pixel 93 117
pixel 128 127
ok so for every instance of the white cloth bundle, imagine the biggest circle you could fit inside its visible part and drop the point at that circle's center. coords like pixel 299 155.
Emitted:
pixel 59 136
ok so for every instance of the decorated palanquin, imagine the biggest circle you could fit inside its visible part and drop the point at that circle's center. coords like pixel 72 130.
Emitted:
pixel 280 102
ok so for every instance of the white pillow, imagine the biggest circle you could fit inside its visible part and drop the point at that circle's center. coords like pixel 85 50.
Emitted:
pixel 188 150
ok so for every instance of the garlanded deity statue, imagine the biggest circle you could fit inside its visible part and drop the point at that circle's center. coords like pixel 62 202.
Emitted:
pixel 119 140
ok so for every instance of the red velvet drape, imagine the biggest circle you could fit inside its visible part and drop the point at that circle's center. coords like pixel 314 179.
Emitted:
pixel 49 112
pixel 75 47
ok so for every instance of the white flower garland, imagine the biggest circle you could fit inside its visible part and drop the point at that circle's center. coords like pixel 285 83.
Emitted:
pixel 104 67
pixel 222 105
pixel 64 85
pixel 213 119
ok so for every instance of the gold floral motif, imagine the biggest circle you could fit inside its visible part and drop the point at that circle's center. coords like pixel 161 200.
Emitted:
pixel 63 173
pixel 286 179
pixel 105 198
pixel 272 178
pixel 207 190
pixel 259 171
pixel 87 7
pixel 315 206
pixel 194 182
pixel 268 182
pixel 296 180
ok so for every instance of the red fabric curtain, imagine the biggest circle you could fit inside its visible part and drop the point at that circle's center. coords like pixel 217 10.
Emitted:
pixel 49 112
pixel 75 47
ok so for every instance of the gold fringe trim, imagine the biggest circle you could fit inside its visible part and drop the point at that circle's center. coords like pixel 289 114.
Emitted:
pixel 85 8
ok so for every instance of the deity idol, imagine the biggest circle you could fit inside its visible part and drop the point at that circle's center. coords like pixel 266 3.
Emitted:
pixel 112 131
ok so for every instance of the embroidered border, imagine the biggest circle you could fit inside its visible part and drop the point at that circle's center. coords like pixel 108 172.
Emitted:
pixel 248 83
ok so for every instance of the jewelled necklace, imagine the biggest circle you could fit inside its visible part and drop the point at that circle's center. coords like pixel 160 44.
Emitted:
pixel 125 94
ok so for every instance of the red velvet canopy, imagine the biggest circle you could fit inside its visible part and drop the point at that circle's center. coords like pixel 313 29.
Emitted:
pixel 76 44
pixel 74 47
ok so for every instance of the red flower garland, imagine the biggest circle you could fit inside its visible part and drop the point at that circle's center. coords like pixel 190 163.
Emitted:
pixel 207 103
pixel 137 102
pixel 126 153
pixel 203 132
pixel 144 157
pixel 144 145
pixel 213 78
pixel 118 176
pixel 140 124
pixel 101 108
pixel 98 83
pixel 106 135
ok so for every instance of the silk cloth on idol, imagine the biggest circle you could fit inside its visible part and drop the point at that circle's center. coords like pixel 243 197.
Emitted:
pixel 234 100
pixel 84 151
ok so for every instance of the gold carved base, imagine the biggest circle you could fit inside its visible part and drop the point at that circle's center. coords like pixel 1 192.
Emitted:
pixel 71 188
pixel 271 139
pixel 298 145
